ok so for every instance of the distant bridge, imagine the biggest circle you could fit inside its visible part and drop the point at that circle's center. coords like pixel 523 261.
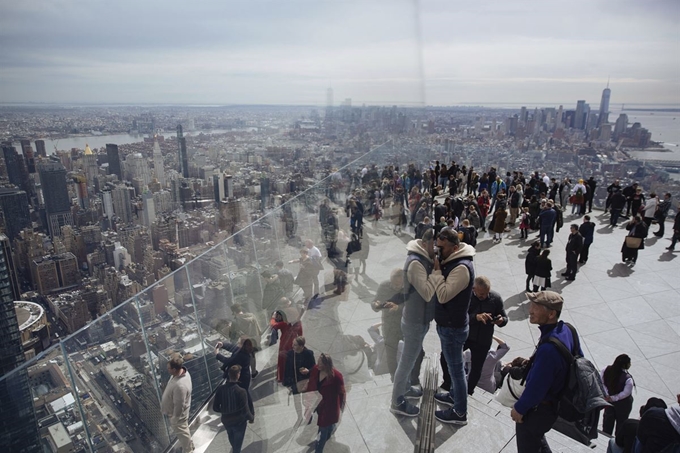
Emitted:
pixel 663 163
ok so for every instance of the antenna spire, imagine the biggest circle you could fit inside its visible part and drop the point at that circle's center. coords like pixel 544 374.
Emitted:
pixel 607 81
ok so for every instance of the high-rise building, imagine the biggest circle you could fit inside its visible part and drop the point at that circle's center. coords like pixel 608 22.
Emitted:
pixel 149 209
pixel 14 206
pixel 55 194
pixel 18 427
pixel 136 166
pixel 620 126
pixel 16 169
pixel 580 116
pixel 90 167
pixel 27 149
pixel 40 148
pixel 122 206
pixel 114 160
pixel 604 106
pixel 183 158
pixel 158 166
pixel 56 272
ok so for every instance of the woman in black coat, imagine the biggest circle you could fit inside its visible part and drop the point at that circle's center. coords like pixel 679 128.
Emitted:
pixel 530 262
pixel 543 271
pixel 299 361
pixel 637 230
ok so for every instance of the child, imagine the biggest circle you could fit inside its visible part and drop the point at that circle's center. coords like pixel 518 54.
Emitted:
pixel 524 224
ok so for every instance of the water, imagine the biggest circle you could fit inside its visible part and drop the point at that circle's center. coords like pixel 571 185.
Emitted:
pixel 100 141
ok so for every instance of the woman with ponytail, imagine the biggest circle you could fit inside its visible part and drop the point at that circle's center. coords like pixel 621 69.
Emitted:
pixel 619 385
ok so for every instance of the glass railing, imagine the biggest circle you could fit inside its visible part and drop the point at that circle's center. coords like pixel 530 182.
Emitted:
pixel 104 383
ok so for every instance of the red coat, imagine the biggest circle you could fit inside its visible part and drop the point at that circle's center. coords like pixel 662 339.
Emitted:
pixel 332 391
pixel 287 333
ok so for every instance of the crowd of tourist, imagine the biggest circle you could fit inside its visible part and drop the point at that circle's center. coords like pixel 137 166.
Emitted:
pixel 446 207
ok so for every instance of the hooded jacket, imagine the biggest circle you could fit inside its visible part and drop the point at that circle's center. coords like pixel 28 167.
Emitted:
pixel 419 305
pixel 449 312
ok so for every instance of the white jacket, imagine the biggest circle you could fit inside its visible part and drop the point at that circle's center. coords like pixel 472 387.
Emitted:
pixel 650 207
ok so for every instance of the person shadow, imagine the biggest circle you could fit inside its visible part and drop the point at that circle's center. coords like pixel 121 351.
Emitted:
pixel 620 270
pixel 605 230
pixel 667 256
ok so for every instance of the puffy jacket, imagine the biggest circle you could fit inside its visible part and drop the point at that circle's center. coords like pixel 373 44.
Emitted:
pixel 452 311
pixel 419 289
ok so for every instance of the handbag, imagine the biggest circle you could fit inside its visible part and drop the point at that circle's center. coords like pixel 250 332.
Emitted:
pixel 633 242
pixel 510 392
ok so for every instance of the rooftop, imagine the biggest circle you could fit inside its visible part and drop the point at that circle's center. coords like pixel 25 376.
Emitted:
pixel 615 308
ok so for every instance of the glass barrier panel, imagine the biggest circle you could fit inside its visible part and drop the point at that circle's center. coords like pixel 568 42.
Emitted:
pixel 110 361
pixel 39 403
pixel 211 289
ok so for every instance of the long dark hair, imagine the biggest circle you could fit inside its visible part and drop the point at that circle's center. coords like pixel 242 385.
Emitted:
pixel 612 374
pixel 327 362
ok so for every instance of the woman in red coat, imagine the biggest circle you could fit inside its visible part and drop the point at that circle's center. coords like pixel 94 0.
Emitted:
pixel 287 333
pixel 330 384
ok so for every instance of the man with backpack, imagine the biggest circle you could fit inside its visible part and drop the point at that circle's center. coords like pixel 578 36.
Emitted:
pixel 546 374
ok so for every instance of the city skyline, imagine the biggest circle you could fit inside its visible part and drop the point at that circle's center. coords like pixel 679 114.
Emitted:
pixel 436 53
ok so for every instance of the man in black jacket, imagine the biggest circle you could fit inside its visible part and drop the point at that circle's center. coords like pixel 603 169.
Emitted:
pixel 661 214
pixel 513 200
pixel 587 230
pixel 232 402
pixel 611 188
pixel 629 192
pixel 486 311
pixel 617 202
pixel 573 248
pixel 590 193
pixel 676 230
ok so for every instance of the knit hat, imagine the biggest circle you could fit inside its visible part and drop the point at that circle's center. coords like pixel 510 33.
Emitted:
pixel 550 299
pixel 673 414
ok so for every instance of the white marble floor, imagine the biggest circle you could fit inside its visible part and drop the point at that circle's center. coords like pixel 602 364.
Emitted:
pixel 616 309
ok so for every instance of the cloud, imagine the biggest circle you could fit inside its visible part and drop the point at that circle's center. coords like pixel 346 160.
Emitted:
pixel 290 52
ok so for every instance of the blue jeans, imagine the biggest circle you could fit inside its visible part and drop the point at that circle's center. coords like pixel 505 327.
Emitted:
pixel 452 340
pixel 414 334
pixel 547 233
pixel 324 434
pixel 236 434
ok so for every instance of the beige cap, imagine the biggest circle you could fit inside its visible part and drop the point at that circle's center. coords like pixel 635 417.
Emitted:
pixel 550 299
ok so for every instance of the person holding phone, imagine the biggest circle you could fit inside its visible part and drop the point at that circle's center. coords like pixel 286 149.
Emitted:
pixel 485 313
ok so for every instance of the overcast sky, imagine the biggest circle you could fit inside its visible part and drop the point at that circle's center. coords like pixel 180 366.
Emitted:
pixel 438 52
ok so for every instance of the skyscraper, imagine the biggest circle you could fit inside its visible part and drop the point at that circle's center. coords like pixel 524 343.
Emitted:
pixel 16 169
pixel 14 206
pixel 114 160
pixel 159 169
pixel 121 203
pixel 28 155
pixel 55 194
pixel 579 117
pixel 604 106
pixel 149 209
pixel 183 158
pixel 18 428
pixel 90 167
pixel 40 148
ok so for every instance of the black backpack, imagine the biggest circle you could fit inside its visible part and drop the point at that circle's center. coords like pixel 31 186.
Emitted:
pixel 583 390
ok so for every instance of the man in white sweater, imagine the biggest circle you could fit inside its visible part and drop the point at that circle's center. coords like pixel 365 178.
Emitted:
pixel 177 400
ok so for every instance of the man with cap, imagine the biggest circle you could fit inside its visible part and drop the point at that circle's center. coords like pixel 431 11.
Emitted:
pixel 546 374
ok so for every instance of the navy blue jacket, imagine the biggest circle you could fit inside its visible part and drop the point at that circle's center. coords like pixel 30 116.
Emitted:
pixel 547 375
pixel 587 230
